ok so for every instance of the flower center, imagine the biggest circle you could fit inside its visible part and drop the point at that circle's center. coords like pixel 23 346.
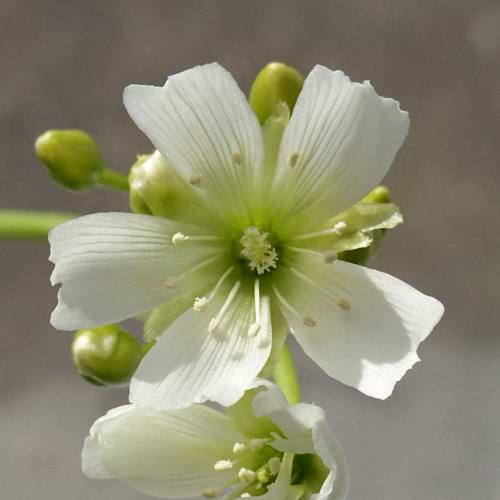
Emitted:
pixel 260 255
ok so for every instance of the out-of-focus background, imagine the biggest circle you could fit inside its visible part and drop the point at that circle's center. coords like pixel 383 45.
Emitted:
pixel 64 65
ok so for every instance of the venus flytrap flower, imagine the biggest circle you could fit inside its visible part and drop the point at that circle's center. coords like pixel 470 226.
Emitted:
pixel 255 255
pixel 274 451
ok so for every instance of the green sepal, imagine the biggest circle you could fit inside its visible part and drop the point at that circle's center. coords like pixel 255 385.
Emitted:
pixel 280 334
pixel 106 355
pixel 275 83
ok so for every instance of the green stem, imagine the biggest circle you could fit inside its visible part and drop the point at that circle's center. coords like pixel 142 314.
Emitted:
pixel 29 224
pixel 285 376
pixel 113 179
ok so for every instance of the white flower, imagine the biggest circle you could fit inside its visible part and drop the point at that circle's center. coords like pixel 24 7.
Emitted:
pixel 256 253
pixel 272 450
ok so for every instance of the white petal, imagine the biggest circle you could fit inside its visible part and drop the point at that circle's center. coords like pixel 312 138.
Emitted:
pixel 361 326
pixel 202 123
pixel 115 266
pixel 331 452
pixel 341 141
pixel 190 365
pixel 166 454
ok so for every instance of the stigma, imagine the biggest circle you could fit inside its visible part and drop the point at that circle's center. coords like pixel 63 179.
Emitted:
pixel 261 255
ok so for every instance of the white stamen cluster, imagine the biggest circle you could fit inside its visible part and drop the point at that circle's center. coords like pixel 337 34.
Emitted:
pixel 257 249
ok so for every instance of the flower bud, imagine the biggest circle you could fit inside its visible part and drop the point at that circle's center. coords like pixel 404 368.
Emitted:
pixel 106 355
pixel 156 189
pixel 72 157
pixel 275 83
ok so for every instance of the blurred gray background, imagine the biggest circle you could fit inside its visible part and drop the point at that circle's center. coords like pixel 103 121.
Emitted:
pixel 64 64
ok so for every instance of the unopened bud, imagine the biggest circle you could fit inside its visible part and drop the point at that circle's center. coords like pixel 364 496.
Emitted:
pixel 72 157
pixel 275 83
pixel 106 355
pixel 156 189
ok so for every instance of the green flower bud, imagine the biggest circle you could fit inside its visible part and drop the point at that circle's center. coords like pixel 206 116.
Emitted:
pixel 106 355
pixel 72 157
pixel 156 189
pixel 274 84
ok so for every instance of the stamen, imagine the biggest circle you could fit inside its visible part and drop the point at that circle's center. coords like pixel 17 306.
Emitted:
pixel 246 475
pixel 178 238
pixel 246 495
pixel 200 304
pixel 196 180
pixel 286 304
pixel 215 322
pixel 262 476
pixel 223 465
pixel 236 157
pixel 258 443
pixel 308 321
pixel 293 159
pixel 254 329
pixel 220 282
pixel 265 332
pixel 338 229
pixel 274 465
pixel 239 448
pixel 344 304
pixel 198 267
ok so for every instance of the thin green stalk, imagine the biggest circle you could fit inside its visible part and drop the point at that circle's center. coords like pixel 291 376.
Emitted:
pixel 286 378
pixel 29 224
pixel 113 179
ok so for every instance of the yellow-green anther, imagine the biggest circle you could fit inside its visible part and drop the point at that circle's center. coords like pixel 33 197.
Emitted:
pixel 106 355
pixel 156 189
pixel 72 157
pixel 275 83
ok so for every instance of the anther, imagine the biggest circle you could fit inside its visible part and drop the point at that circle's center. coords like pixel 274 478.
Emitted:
pixel 246 495
pixel 262 476
pixel 211 493
pixel 246 475
pixel 196 180
pixel 178 238
pixel 254 329
pixel 223 465
pixel 213 325
pixel 293 159
pixel 236 157
pixel 200 304
pixel 340 227
pixel 239 448
pixel 171 282
pixel 330 257
pixel 257 443
pixel 344 304
pixel 308 321
pixel 274 465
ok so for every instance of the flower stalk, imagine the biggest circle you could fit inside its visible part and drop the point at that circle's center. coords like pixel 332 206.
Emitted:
pixel 29 224
pixel 113 179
